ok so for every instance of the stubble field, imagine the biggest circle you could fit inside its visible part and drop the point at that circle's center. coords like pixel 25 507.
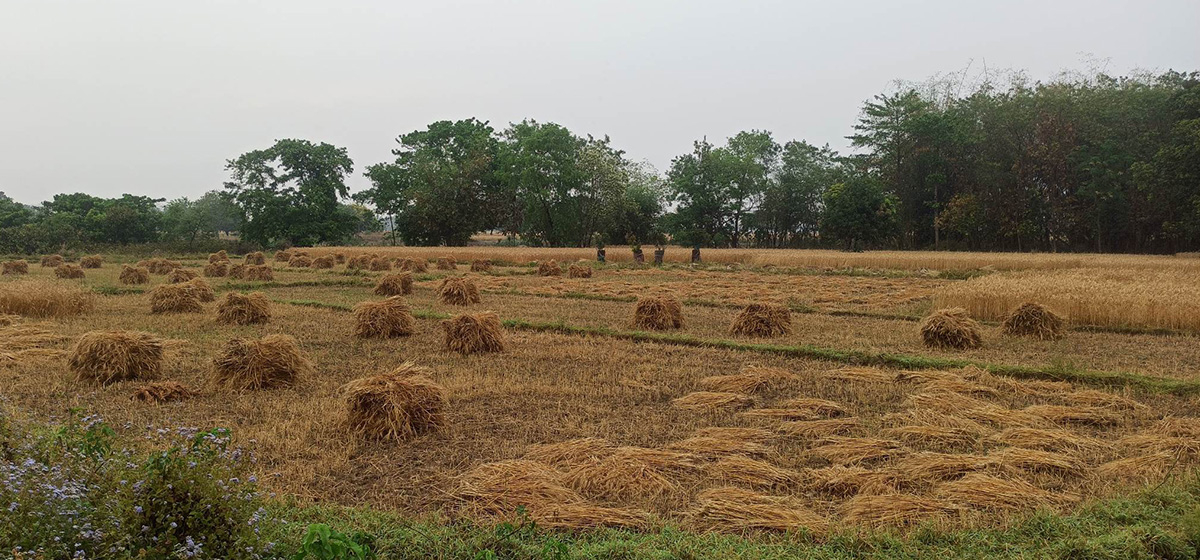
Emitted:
pixel 847 422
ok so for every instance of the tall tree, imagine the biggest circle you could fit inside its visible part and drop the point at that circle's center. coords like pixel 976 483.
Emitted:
pixel 289 193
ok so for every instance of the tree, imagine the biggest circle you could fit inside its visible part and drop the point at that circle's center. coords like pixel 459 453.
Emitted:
pixel 13 213
pixel 540 175
pixel 858 213
pixel 752 159
pixel 698 183
pixel 438 188
pixel 791 207
pixel 289 193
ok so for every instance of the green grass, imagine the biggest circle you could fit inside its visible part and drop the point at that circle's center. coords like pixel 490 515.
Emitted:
pixel 1163 522
pixel 1054 372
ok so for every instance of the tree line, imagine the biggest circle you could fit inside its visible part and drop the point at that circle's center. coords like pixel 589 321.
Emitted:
pixel 1078 163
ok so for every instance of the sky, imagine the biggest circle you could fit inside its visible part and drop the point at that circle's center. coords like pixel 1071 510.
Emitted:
pixel 153 96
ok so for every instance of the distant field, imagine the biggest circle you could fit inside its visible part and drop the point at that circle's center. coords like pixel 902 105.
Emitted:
pixel 848 420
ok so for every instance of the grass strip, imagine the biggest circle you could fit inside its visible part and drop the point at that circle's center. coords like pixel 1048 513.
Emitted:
pixel 852 357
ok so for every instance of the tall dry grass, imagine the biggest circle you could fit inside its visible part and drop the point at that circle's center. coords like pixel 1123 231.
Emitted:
pixel 1110 297
pixel 42 297
pixel 892 260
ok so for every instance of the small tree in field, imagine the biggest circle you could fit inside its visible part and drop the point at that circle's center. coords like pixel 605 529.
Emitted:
pixel 858 214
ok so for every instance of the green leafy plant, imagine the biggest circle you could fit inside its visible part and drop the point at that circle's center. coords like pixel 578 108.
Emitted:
pixel 323 542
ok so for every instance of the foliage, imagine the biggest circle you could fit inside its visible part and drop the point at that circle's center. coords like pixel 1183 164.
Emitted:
pixel 858 213
pixel 289 193
pixel 322 542
pixel 70 492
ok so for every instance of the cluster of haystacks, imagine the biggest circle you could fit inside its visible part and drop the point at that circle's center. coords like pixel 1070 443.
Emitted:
pixel 579 270
pixel 481 265
pixel 160 392
pixel 244 309
pixel 282 256
pixel 181 275
pixel 300 261
pixel 397 405
pixel 67 270
pixel 110 356
pixel 385 318
pixel 394 284
pixel 380 264
pixel 446 263
pixel 456 290
pixel 51 261
pixel 134 275
pixel 256 258
pixel 359 262
pixel 271 361
pixel 470 334
pixel 414 265
pixel 19 266
pixel 217 269
pixel 549 268
pixel 658 313
pixel 1034 320
pixel 91 261
pixel 159 266
pixel 951 328
pixel 762 320
pixel 175 298
pixel 259 273
pixel 42 297
pixel 324 262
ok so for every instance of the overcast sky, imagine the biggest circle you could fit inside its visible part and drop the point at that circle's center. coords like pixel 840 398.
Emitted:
pixel 152 96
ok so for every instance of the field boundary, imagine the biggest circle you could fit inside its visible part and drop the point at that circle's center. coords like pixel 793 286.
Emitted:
pixel 850 357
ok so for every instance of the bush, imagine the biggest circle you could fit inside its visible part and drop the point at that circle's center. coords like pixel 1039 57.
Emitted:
pixel 68 492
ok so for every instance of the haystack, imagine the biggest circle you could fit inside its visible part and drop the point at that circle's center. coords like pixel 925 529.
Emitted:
pixel 272 361
pixel 481 265
pixel 1034 320
pixel 394 284
pixel 711 401
pixel 852 451
pixel 397 405
pixel 658 313
pixel 950 328
pixel 91 261
pixel 217 269
pixel 161 266
pixel 446 263
pixel 204 292
pixel 244 309
pixel 69 271
pixel 110 356
pixel 238 271
pixel 884 510
pixel 259 273
pixel 385 318
pixel 469 334
pixel 223 255
pixel 456 290
pixel 549 268
pixel 738 510
pixel 19 266
pixel 218 257
pixel 841 481
pixel 984 491
pixel 577 270
pixel 256 258
pixel 414 265
pixel 300 261
pixel 181 275
pixel 380 264
pixel 626 475
pixel 763 320
pixel 134 275
pixel 929 467
pixel 751 379
pixel 163 391
pixel 339 257
pixel 571 453
pixel 324 262
pixel 51 261
pixel 175 298
pixel 282 256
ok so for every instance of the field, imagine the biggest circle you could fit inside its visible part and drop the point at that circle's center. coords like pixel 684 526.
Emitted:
pixel 847 422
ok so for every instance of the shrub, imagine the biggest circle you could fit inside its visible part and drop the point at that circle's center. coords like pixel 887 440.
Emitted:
pixel 70 492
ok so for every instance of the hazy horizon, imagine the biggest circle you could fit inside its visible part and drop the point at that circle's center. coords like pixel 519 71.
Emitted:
pixel 151 98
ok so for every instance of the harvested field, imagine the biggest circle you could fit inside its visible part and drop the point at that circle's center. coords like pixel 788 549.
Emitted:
pixel 586 427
